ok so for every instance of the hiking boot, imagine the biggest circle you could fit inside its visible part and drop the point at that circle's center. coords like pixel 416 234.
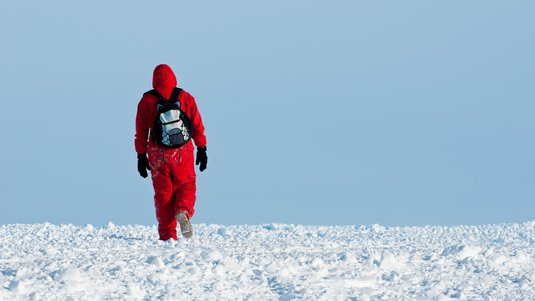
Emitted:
pixel 185 225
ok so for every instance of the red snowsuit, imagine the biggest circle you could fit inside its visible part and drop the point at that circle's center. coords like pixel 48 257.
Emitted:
pixel 173 173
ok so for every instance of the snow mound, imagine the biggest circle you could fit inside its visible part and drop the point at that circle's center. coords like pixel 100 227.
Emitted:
pixel 268 262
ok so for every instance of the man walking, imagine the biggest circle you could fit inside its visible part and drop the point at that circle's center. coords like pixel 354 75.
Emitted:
pixel 167 117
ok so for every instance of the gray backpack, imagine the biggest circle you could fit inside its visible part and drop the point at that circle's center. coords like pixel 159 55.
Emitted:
pixel 172 127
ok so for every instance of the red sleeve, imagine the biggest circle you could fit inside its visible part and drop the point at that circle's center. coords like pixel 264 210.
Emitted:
pixel 196 122
pixel 141 139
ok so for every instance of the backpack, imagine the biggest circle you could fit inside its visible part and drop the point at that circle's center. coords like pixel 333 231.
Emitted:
pixel 172 127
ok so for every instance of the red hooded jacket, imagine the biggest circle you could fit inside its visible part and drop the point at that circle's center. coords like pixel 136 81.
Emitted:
pixel 164 81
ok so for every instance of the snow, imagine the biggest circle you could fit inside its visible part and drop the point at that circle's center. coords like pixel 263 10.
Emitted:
pixel 268 262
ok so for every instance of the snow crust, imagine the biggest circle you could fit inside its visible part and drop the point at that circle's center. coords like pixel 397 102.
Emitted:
pixel 268 262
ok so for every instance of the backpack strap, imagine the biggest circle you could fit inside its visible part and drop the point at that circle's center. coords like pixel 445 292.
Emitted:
pixel 174 95
pixel 176 102
pixel 155 93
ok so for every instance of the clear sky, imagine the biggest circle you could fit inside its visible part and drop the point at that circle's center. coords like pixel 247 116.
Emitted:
pixel 317 112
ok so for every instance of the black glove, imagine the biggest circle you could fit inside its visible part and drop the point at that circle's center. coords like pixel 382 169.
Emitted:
pixel 142 164
pixel 202 158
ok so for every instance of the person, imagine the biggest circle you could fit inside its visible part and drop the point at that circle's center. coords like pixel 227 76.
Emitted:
pixel 172 170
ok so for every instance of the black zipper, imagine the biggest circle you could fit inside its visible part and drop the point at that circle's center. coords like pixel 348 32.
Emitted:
pixel 166 123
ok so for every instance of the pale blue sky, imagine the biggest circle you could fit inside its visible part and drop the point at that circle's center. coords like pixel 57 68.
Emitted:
pixel 317 112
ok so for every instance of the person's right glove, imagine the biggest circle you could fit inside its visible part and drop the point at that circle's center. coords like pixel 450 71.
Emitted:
pixel 142 165
pixel 202 158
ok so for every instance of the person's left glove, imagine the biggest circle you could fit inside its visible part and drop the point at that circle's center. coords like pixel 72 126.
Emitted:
pixel 202 158
pixel 143 165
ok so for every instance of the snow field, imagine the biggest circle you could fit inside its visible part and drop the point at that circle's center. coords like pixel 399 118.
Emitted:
pixel 268 262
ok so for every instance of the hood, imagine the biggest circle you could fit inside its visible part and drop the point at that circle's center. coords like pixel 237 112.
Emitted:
pixel 164 80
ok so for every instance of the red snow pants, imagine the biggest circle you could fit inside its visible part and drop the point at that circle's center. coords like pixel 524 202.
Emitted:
pixel 173 178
